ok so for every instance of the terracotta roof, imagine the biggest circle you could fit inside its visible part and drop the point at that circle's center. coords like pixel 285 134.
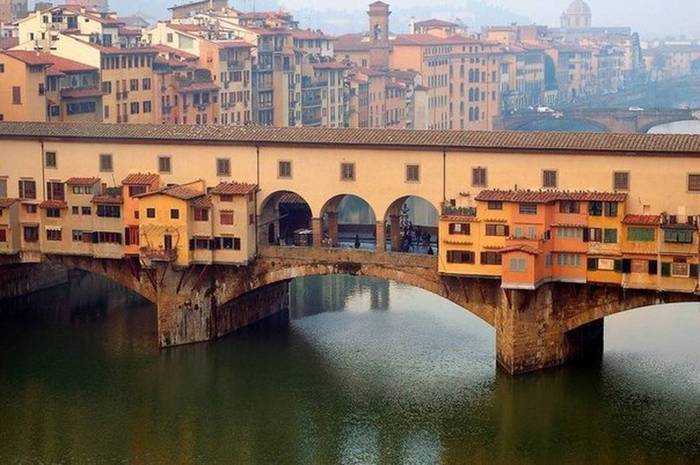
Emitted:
pixel 140 179
pixel 53 204
pixel 233 44
pixel 108 199
pixel 291 197
pixel 29 57
pixel 632 145
pixel 5 202
pixel 431 40
pixel 351 43
pixel 330 65
pixel 435 23
pixel 642 220
pixel 569 225
pixel 234 188
pixel 520 248
pixel 125 50
pixel 82 93
pixel 547 196
pixel 82 181
pixel 175 51
pixel 179 192
pixel 302 34
pixel 202 202
pixel 195 86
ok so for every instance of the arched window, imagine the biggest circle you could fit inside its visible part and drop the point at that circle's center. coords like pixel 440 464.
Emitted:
pixel 476 114
pixel 471 94
pixel 471 113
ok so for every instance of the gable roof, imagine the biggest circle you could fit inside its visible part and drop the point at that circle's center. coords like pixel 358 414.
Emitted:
pixel 548 196
pixel 233 188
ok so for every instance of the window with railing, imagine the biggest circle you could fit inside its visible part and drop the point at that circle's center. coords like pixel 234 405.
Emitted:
pixel 678 236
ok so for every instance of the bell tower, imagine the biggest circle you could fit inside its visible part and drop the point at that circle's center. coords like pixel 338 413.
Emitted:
pixel 379 46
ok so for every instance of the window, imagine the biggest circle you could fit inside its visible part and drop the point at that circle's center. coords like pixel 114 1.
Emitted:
pixel 55 191
pixel 53 234
pixel 459 256
pixel 27 189
pixel 81 107
pixel 147 106
pixel 109 238
pixel 77 235
pixel 3 187
pixel 201 214
pixel 412 173
pixel 549 179
pixel 134 84
pixel 150 213
pixel 500 230
pixel 174 214
pixel 134 108
pixel 641 234
pixel 595 235
pixel 678 236
pixel 31 233
pixel 3 235
pixel 680 269
pixel 109 211
pixel 610 236
pixel 75 210
pixel 146 84
pixel 479 177
pixel 50 159
pixel 569 260
pixel 53 212
pixel 30 208
pixel 82 190
pixel 528 208
pixel 568 206
pixel 694 182
pixel 16 95
pixel 284 169
pixel 106 162
pixel 495 205
pixel 460 228
pixel 226 198
pixel 518 265
pixel 223 167
pixel 86 211
pixel 595 208
pixel 231 243
pixel 226 217
pixel 621 181
pixel 569 233
pixel 610 209
pixel 164 164
pixel 347 171
pixel 491 258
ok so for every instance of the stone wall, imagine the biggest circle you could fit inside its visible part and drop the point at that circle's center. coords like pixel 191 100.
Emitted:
pixel 20 279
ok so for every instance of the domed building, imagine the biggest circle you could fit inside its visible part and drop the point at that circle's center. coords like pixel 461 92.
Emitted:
pixel 577 16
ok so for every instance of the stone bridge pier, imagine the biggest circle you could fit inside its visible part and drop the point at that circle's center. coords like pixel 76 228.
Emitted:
pixel 550 326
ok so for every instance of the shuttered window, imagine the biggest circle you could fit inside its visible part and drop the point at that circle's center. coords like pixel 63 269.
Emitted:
pixel 621 181
pixel 460 228
pixel 694 182
pixel 460 256
pixel 549 179
pixel 479 177
pixel 641 234
pixel 347 171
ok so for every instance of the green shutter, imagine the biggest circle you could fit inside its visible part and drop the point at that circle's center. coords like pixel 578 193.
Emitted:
pixel 666 269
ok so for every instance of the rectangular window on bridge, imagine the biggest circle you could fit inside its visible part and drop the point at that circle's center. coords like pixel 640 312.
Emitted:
pixel 569 206
pixel 518 265
pixel 77 235
pixel 106 162
pixel 479 177
pixel 460 256
pixel 53 212
pixel 495 205
pixel 347 171
pixel 694 182
pixel 223 167
pixel 610 236
pixel 109 211
pixel 528 208
pixel 53 234
pixel 678 236
pixel 500 230
pixel 50 160
pixel 284 169
pixel 549 179
pixel 491 258
pixel 174 214
pixel 3 187
pixel 412 173
pixel 150 213
pixel 27 189
pixel 621 181
pixel 641 235
pixel 226 217
pixel 201 214
pixel 463 229
pixel 31 234
pixel 3 235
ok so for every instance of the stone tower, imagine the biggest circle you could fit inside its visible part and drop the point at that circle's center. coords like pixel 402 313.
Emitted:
pixel 379 46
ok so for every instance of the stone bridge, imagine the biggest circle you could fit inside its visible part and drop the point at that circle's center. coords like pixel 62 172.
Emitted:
pixel 605 120
pixel 534 329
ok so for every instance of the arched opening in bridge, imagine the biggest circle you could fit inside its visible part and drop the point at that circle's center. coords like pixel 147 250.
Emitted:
pixel 411 224
pixel 285 219
pixel 349 221
pixel 676 127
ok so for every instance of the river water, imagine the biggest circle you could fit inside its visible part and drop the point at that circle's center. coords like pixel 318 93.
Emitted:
pixel 360 372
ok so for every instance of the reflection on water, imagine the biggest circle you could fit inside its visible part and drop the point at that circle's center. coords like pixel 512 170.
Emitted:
pixel 362 372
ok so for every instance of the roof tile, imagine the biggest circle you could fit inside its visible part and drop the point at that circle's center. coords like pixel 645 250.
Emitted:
pixel 234 188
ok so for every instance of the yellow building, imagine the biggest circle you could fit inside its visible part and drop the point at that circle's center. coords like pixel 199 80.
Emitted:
pixel 9 226
pixel 640 241
pixel 23 86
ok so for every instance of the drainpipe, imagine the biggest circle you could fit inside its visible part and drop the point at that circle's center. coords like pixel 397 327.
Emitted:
pixel 43 169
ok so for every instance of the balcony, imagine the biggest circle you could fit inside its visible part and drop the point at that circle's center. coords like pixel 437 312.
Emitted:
pixel 450 210
pixel 159 254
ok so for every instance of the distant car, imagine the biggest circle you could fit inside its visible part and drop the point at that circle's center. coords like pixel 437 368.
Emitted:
pixel 636 109
pixel 544 110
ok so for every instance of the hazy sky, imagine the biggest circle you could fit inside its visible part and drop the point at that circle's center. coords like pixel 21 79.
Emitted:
pixel 650 17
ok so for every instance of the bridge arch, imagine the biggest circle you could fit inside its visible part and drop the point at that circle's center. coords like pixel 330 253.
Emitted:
pixel 349 219
pixel 651 128
pixel 280 214
pixel 550 123
pixel 412 224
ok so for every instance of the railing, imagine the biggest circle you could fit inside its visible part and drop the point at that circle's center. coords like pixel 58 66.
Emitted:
pixel 159 255
pixel 459 211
